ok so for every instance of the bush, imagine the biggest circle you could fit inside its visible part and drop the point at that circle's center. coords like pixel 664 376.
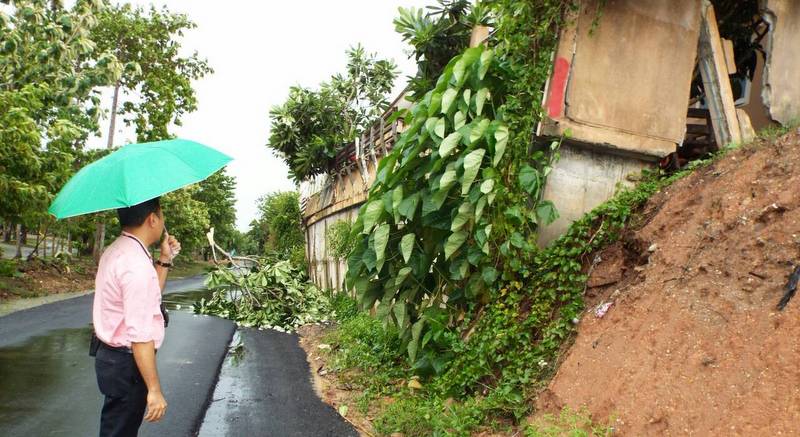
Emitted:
pixel 343 307
pixel 339 241
pixel 363 342
pixel 8 268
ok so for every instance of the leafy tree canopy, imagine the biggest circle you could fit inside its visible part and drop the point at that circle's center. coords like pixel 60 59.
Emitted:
pixel 312 125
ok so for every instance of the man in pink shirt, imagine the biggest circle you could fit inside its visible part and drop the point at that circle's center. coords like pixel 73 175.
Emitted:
pixel 128 320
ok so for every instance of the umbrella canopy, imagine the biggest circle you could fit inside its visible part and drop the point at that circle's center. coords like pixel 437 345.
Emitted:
pixel 136 173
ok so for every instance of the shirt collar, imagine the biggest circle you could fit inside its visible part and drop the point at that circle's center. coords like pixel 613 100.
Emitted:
pixel 144 248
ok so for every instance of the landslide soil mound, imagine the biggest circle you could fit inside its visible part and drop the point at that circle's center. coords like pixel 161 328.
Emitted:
pixel 693 343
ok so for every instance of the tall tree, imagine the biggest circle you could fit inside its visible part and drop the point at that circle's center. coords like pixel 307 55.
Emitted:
pixel 187 218
pixel 50 71
pixel 156 79
pixel 160 79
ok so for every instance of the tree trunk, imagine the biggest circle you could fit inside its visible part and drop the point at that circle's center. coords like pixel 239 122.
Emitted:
pixel 113 122
pixel 69 242
pixel 38 241
pixel 54 244
pixel 19 241
pixel 6 232
pixel 99 241
pixel 24 234
pixel 44 244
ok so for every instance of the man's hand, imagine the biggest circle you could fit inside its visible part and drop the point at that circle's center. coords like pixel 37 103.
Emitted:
pixel 170 246
pixel 156 406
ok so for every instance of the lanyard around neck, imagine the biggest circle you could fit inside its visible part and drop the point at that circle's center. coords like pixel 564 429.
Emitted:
pixel 140 244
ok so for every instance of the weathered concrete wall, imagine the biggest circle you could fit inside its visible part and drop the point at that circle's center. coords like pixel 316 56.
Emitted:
pixel 339 201
pixel 782 73
pixel 325 271
pixel 625 85
pixel 581 180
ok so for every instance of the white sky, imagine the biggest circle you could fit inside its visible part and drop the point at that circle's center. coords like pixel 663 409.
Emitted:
pixel 259 49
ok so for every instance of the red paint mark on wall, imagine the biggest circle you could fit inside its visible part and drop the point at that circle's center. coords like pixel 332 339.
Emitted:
pixel 558 87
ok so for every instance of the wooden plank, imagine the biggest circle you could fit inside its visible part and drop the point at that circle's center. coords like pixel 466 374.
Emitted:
pixel 748 133
pixel 719 97
pixel 730 60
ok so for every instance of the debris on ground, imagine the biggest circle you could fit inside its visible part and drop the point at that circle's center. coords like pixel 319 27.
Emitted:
pixel 791 288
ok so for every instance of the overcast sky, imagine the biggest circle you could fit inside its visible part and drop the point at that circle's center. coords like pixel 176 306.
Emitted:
pixel 259 49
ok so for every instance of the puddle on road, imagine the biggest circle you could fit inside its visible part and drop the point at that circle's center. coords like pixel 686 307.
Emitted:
pixel 183 301
pixel 42 378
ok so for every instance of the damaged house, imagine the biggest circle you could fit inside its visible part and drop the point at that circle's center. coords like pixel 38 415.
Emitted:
pixel 634 84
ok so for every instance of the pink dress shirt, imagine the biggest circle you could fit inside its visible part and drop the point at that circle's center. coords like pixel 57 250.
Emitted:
pixel 127 295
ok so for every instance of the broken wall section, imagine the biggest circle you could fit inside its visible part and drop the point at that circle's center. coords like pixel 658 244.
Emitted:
pixel 781 92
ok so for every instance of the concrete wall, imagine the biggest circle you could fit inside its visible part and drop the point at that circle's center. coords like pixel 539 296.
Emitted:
pixel 622 91
pixel 625 85
pixel 782 73
pixel 581 180
pixel 325 271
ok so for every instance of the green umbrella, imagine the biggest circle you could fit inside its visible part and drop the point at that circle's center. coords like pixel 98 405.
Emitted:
pixel 136 173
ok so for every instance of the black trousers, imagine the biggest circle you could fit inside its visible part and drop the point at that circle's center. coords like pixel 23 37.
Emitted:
pixel 125 393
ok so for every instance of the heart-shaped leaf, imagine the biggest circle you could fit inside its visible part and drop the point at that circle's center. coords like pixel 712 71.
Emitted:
pixel 448 98
pixel 454 242
pixel 472 164
pixel 501 137
pixel 406 246
pixel 448 144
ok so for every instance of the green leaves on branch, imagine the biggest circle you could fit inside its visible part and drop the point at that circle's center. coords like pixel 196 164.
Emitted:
pixel 443 163
pixel 270 295
pixel 312 125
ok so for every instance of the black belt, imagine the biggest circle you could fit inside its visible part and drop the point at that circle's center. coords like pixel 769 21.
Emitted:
pixel 124 349
pixel 96 344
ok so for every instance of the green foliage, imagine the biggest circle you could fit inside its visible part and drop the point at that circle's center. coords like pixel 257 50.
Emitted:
pixel 437 36
pixel 270 295
pixel 313 125
pixel 343 307
pixel 50 69
pixel 278 231
pixel 363 343
pixel 446 210
pixel 338 240
pixel 8 268
pixel 186 218
pixel 148 44
pixel 217 194
pixel 567 423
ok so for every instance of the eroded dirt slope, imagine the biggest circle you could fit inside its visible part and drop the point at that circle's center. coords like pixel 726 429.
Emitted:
pixel 693 343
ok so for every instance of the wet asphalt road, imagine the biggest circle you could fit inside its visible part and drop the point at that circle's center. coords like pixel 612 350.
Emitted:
pixel 266 391
pixel 47 380
pixel 48 385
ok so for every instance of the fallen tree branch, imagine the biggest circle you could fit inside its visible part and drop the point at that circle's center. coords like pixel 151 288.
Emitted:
pixel 231 259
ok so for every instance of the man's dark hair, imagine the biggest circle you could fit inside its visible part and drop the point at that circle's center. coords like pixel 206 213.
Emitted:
pixel 135 215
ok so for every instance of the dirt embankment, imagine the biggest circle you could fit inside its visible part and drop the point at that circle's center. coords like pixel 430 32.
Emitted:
pixel 693 343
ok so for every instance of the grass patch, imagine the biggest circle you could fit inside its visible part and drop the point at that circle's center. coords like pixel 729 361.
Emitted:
pixel 570 423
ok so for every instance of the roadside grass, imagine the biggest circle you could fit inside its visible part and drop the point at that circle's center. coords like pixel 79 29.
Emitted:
pixel 568 423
